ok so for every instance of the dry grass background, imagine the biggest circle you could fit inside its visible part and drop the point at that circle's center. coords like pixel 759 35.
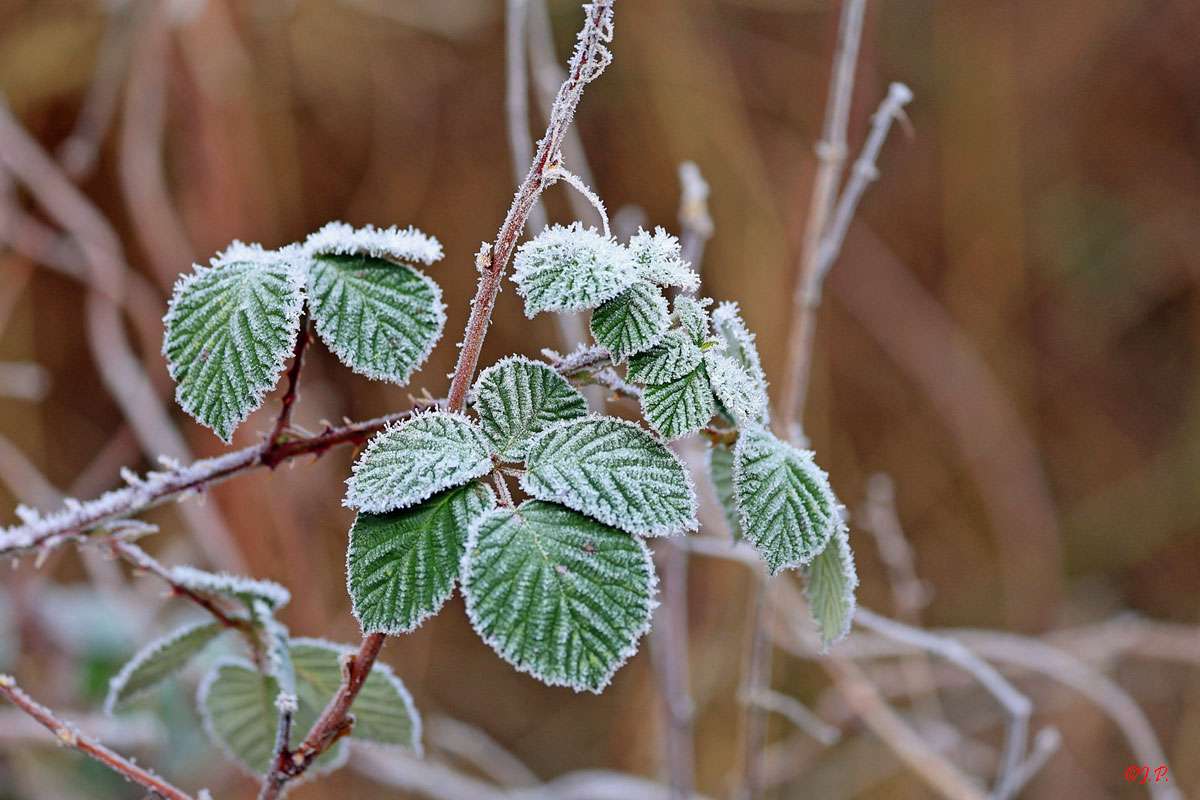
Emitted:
pixel 1011 333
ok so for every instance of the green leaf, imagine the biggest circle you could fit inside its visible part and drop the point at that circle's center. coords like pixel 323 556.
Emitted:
pixel 571 269
pixel 680 407
pixel 632 321
pixel 832 580
pixel 402 246
pixel 274 637
pixel 517 398
pixel 556 594
pixel 416 459
pixel 692 315
pixel 787 508
pixel 673 357
pixel 247 590
pixel 658 258
pixel 229 331
pixel 738 343
pixel 401 566
pixel 613 471
pixel 740 394
pixel 158 661
pixel 383 711
pixel 237 706
pixel 380 318
pixel 720 471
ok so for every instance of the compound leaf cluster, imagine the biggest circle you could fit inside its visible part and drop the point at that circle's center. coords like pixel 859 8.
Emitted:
pixel 517 398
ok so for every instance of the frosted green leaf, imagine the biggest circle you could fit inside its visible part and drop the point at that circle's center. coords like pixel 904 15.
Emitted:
pixel 274 637
pixel 832 580
pixel 632 321
pixel 680 407
pixel 720 471
pixel 383 711
pixel 571 269
pixel 401 566
pixel 613 471
pixel 237 706
pixel 673 357
pixel 229 331
pixel 787 508
pixel 692 315
pixel 380 318
pixel 556 594
pixel 738 343
pixel 402 246
pixel 517 398
pixel 658 258
pixel 158 661
pixel 740 394
pixel 238 587
pixel 416 459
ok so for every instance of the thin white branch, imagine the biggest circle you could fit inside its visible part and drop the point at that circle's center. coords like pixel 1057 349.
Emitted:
pixel 798 714
pixel 560 173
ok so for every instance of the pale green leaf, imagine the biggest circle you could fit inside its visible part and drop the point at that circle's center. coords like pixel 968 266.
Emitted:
pixel 401 245
pixel 384 712
pixel 517 398
pixel 673 357
pixel 658 258
pixel 614 471
pixel 680 407
pixel 632 321
pixel 720 471
pixel 692 316
pixel 380 318
pixel 416 459
pixel 401 566
pixel 738 343
pixel 787 507
pixel 158 661
pixel 740 394
pixel 830 587
pixel 571 269
pixel 556 594
pixel 229 331
pixel 237 706
pixel 273 634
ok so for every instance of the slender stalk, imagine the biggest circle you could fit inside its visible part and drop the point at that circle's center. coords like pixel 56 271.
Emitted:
pixel 293 385
pixel 69 736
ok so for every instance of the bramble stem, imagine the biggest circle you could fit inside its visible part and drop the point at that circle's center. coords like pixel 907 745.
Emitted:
pixel 69 736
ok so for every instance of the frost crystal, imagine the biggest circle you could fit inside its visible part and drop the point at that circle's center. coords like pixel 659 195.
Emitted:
pixel 738 343
pixel 401 566
pixel 613 471
pixel 229 330
pixel 571 269
pixel 740 394
pixel 692 315
pixel 274 635
pixel 414 460
pixel 632 321
pixel 159 660
pixel 222 583
pixel 556 594
pixel 832 580
pixel 673 357
pixel 380 318
pixel 393 244
pixel 787 508
pixel 517 398
pixel 680 407
pixel 658 259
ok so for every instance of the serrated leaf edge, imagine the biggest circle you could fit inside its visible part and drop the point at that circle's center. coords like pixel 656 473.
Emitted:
pixel 152 648
pixel 228 584
pixel 841 540
pixel 391 243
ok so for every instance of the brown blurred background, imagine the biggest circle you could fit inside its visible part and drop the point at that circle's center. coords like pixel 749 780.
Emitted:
pixel 1010 333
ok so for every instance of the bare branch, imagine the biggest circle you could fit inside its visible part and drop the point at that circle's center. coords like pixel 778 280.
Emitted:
pixel 67 734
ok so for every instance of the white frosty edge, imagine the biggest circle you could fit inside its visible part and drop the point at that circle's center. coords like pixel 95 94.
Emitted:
pixel 118 681
pixel 666 266
pixel 229 584
pixel 841 540
pixel 439 604
pixel 560 234
pixel 729 313
pixel 609 519
pixel 483 467
pixel 397 684
pixel 392 243
pixel 284 259
pixel 623 655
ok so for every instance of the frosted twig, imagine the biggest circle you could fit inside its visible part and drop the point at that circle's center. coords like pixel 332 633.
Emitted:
pixel 560 173
pixel 23 380
pixel 796 713
pixel 293 385
pixel 473 745
pixel 695 223
pixel 68 735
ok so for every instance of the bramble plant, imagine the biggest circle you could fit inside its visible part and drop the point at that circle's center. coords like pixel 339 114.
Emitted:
pixel 560 584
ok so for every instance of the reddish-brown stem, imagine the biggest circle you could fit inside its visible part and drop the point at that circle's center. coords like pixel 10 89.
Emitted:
pixel 69 736
pixel 293 385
